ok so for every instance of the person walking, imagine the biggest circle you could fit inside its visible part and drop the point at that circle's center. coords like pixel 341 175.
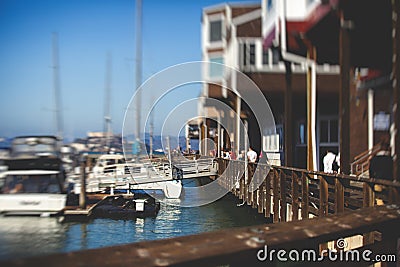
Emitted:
pixel 328 161
pixel 251 155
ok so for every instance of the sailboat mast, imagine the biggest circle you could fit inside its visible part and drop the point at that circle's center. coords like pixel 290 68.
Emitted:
pixel 138 66
pixel 107 103
pixel 151 133
pixel 57 90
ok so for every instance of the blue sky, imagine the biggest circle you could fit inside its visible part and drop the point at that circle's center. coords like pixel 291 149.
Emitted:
pixel 87 30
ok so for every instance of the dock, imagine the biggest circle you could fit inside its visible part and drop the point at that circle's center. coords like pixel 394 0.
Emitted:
pixel 330 72
pixel 74 215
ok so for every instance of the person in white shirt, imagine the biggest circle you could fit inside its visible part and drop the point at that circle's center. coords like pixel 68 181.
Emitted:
pixel 328 161
pixel 251 155
pixel 227 155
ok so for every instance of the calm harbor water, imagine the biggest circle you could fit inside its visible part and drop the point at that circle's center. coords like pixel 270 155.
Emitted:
pixel 30 236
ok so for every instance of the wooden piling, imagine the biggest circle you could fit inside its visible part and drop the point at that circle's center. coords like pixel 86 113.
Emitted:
pixel 82 195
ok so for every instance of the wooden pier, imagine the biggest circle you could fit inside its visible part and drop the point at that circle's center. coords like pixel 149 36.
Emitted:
pixel 312 212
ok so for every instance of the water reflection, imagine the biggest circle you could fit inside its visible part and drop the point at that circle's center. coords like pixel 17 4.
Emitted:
pixel 27 236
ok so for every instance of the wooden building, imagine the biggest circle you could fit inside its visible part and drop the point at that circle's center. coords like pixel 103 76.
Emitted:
pixel 240 45
pixel 353 49
pixel 358 36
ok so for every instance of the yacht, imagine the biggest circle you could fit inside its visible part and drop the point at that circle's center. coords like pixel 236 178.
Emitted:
pixel 34 181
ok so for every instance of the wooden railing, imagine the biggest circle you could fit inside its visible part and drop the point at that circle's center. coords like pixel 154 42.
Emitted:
pixel 291 194
pixel 361 162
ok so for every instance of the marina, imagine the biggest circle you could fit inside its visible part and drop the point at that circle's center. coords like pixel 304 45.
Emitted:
pixel 280 147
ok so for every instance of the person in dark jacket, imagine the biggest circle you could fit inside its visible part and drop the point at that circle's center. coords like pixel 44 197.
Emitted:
pixel 381 165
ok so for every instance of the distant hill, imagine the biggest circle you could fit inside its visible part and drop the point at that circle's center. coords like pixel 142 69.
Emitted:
pixel 157 143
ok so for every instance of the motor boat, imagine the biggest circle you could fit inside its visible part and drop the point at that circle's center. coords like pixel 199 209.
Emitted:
pixel 126 207
pixel 34 181
pixel 32 192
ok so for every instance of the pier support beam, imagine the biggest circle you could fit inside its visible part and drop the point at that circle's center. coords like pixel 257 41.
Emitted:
pixel 311 111
pixel 344 94
pixel 396 87
pixel 82 195
pixel 288 116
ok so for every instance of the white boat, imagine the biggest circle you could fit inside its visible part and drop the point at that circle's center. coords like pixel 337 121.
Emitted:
pixel 34 181
pixel 32 192
pixel 111 172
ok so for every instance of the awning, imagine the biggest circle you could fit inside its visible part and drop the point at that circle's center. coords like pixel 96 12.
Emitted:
pixel 370 34
pixel 301 28
pixel 372 79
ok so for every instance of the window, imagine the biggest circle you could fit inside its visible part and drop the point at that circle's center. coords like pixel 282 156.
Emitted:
pixel 265 58
pixel 252 54
pixel 329 131
pixel 216 70
pixel 302 133
pixel 249 54
pixel 31 184
pixel 215 31
pixel 275 56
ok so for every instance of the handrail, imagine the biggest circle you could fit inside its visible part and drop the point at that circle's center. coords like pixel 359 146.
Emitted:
pixel 343 176
pixel 249 246
pixel 363 160
pixel 368 152
pixel 282 192
pixel 330 175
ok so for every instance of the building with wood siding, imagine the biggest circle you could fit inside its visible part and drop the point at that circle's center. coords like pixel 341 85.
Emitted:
pixel 232 35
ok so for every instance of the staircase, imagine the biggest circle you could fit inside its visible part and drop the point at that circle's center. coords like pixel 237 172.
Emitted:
pixel 360 165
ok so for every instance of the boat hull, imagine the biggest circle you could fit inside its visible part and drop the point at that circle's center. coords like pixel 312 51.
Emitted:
pixel 120 207
pixel 32 204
